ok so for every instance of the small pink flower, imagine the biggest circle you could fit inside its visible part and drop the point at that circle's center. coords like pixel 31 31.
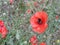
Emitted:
pixel 57 17
pixel 35 4
pixel 28 11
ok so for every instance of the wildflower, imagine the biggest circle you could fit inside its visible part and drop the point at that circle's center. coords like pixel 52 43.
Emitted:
pixel 39 22
pixel 11 1
pixel 3 30
pixel 35 4
pixel 42 43
pixel 57 17
pixel 33 40
pixel 34 43
pixel 28 11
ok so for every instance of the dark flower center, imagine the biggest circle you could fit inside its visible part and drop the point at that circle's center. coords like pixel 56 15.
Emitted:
pixel 39 21
pixel 1 26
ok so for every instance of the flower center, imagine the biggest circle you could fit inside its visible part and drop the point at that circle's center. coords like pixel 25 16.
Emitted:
pixel 39 21
pixel 1 26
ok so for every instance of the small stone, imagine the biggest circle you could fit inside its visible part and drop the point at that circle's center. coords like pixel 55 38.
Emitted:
pixel 54 43
pixel 25 42
pixel 5 2
pixel 58 41
pixel 17 9
pixel 44 36
pixel 4 14
pixel 50 35
pixel 0 15
pixel 17 35
pixel 12 6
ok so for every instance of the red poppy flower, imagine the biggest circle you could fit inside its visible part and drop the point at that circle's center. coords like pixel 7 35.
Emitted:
pixel 42 43
pixel 34 43
pixel 3 30
pixel 11 1
pixel 39 21
pixel 33 39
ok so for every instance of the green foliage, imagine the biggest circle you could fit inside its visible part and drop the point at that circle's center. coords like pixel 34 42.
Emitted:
pixel 17 22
